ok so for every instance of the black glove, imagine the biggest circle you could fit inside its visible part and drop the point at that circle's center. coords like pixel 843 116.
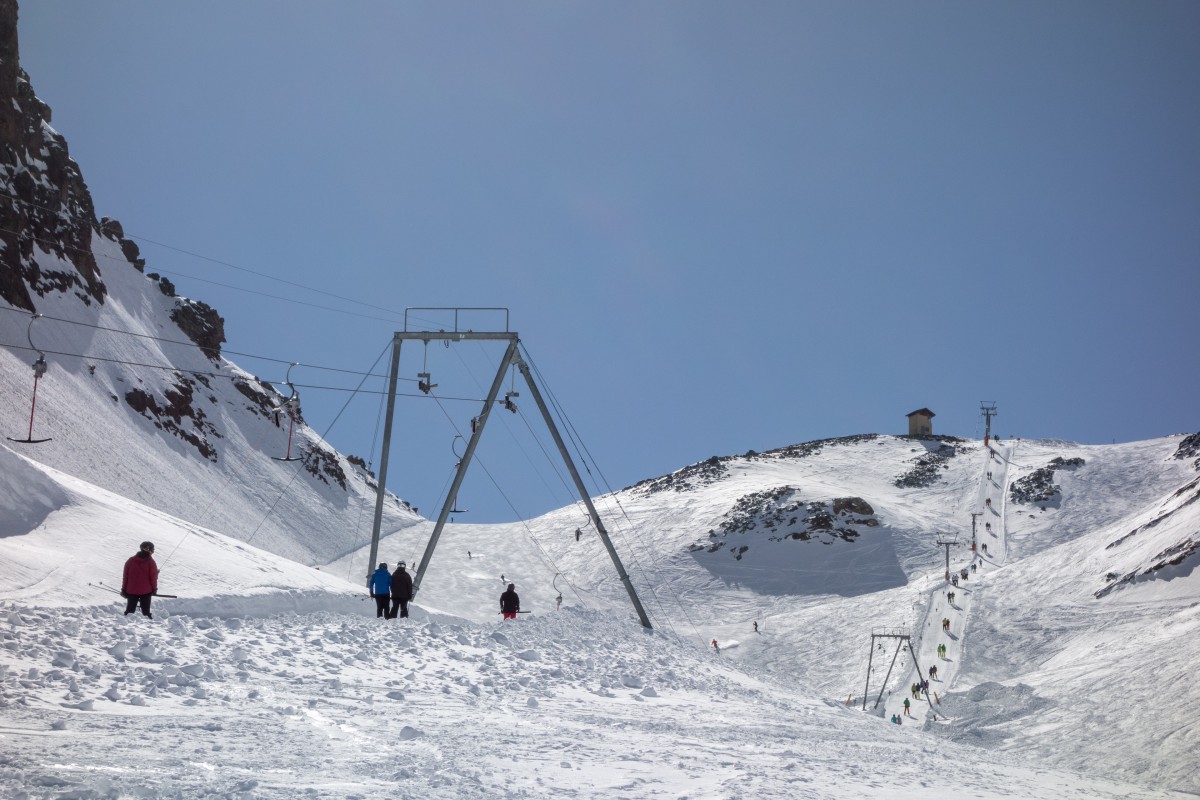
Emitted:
pixel 125 594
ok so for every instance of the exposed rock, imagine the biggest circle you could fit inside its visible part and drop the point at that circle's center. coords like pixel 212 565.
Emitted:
pixel 686 479
pixel 359 462
pixel 928 467
pixel 1190 448
pixel 261 402
pixel 782 515
pixel 325 466
pixel 1039 487
pixel 715 468
pixel 200 322
pixel 48 205
pixel 178 404
pixel 853 505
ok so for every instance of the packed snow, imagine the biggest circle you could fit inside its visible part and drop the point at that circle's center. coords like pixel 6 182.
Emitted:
pixel 271 678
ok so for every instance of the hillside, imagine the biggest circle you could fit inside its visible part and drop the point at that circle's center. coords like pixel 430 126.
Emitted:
pixel 136 396
pixel 1032 648
pixel 718 545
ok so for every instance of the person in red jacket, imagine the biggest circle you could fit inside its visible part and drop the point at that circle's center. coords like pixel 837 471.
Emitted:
pixel 140 581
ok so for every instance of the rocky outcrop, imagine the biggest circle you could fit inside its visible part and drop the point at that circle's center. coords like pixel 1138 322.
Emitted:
pixel 1190 448
pixel 44 202
pixel 927 468
pixel 781 515
pixel 45 207
pixel 169 412
pixel 1038 487
pixel 202 324
pixel 714 469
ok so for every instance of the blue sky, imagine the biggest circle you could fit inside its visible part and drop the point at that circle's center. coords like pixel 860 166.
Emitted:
pixel 718 226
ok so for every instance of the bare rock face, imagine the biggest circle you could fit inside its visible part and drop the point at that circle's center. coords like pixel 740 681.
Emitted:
pixel 44 201
pixel 46 206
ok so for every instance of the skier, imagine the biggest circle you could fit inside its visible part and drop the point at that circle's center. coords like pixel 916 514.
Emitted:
pixel 402 588
pixel 510 603
pixel 756 626
pixel 380 585
pixel 985 552
pixel 907 713
pixel 140 580
pixel 945 623
pixel 974 566
pixel 933 673
pixel 716 646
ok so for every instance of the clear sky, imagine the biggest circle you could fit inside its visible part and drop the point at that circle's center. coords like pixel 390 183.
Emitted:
pixel 718 226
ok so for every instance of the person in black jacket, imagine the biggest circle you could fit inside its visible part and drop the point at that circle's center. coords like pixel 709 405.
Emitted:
pixel 401 591
pixel 510 603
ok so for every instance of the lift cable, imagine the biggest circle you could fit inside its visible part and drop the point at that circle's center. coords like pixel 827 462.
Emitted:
pixel 304 462
pixel 191 344
pixel 582 450
pixel 94 223
pixel 547 559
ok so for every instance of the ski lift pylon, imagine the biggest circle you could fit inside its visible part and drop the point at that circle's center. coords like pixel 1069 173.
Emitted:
pixel 292 401
pixel 39 369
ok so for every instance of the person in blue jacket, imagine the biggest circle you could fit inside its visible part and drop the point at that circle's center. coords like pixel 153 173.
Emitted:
pixel 381 587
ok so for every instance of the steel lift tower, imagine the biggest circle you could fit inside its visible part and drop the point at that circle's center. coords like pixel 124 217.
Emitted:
pixel 988 409
pixel 511 358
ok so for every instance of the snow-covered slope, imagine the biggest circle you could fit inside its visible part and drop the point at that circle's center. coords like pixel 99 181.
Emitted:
pixel 596 707
pixel 1040 623
pixel 196 441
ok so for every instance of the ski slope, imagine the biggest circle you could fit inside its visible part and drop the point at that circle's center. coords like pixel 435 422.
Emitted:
pixel 583 702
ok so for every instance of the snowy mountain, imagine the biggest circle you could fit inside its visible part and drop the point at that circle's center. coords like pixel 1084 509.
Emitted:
pixel 1069 641
pixel 135 369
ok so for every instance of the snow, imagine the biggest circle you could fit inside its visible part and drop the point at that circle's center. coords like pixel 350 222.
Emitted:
pixel 1067 673
pixel 271 678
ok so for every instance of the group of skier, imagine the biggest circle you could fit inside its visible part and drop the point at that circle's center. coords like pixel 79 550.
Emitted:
pixel 391 591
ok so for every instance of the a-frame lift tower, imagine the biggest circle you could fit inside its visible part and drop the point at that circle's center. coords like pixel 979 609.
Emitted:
pixel 511 358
